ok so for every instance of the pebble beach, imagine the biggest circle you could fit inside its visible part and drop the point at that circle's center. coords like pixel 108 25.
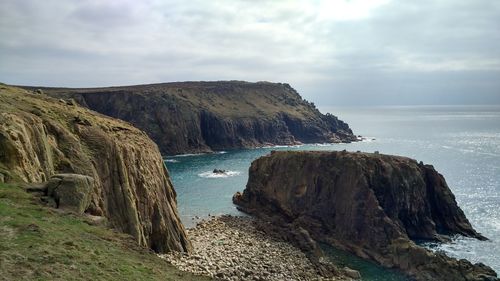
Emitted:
pixel 233 248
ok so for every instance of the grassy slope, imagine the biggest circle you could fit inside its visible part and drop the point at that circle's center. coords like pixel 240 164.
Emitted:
pixel 39 243
pixel 14 99
pixel 232 99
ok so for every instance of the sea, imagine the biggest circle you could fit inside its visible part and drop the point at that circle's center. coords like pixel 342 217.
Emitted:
pixel 462 142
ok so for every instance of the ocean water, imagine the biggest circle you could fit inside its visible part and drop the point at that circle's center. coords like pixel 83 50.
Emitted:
pixel 462 142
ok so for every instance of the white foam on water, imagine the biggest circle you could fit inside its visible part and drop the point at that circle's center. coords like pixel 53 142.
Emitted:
pixel 212 175
pixel 171 160
pixel 322 144
pixel 282 146
pixel 367 139
pixel 188 154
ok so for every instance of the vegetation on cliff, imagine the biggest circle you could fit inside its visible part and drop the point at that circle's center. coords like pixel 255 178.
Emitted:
pixel 41 137
pixel 371 205
pixel 41 243
pixel 188 117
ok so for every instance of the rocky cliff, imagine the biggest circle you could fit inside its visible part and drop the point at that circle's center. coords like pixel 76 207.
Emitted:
pixel 130 186
pixel 371 205
pixel 189 117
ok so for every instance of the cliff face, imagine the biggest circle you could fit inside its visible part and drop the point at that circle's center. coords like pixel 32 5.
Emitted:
pixel 203 116
pixel 368 204
pixel 41 136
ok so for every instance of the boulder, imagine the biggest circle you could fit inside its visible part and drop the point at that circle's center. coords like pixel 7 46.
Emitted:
pixel 71 191
pixel 372 205
pixel 351 273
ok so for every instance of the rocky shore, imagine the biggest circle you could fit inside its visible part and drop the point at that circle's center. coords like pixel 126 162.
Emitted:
pixel 235 248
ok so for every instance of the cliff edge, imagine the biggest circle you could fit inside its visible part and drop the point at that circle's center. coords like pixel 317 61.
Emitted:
pixel 190 117
pixel 371 205
pixel 129 184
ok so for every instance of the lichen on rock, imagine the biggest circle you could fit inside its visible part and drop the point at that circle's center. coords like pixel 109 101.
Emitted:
pixel 71 191
pixel 131 186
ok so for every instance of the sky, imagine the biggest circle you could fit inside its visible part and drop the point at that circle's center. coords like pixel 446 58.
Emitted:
pixel 333 52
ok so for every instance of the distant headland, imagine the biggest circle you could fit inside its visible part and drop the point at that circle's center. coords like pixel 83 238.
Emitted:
pixel 193 117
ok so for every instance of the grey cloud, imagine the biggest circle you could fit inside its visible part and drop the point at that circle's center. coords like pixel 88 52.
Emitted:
pixel 104 14
pixel 403 52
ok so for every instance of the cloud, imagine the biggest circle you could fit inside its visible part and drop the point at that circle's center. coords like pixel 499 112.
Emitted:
pixel 349 52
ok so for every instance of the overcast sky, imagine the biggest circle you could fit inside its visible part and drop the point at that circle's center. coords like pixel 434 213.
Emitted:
pixel 333 52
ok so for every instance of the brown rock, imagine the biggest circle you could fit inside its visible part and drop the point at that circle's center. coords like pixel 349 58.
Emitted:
pixel 131 187
pixel 187 117
pixel 372 205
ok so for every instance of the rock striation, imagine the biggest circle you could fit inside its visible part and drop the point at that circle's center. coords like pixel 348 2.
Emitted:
pixel 372 205
pixel 95 164
pixel 190 117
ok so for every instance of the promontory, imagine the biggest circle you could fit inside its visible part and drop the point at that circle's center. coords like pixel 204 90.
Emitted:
pixel 191 117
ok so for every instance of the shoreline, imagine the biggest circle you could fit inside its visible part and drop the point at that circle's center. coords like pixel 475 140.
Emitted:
pixel 359 138
pixel 233 248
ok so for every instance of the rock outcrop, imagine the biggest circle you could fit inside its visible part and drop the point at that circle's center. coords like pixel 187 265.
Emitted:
pixel 70 191
pixel 130 186
pixel 189 117
pixel 371 205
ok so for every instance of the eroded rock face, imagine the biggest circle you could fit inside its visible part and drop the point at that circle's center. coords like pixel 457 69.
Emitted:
pixel 192 117
pixel 41 137
pixel 371 205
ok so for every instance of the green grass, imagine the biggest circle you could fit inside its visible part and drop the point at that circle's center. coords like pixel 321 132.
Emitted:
pixel 39 243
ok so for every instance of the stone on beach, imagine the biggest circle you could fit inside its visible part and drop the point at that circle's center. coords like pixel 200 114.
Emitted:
pixel 235 248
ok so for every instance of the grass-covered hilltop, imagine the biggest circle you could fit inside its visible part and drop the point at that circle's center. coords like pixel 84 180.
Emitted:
pixel 83 171
pixel 187 117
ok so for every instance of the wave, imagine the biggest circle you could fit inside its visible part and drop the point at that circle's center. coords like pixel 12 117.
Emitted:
pixel 366 139
pixel 323 144
pixel 188 154
pixel 212 175
pixel 171 161
pixel 281 146
pixel 198 154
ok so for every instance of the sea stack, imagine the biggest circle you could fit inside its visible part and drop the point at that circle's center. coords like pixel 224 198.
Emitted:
pixel 372 205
